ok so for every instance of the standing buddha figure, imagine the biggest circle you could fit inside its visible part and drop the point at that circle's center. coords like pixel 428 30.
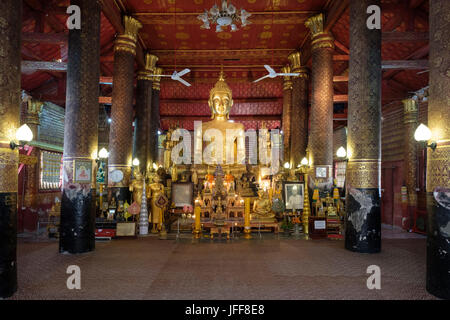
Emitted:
pixel 156 191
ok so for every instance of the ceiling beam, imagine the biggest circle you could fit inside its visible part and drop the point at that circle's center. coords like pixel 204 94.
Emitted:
pixel 50 38
pixel 405 64
pixel 404 36
pixel 43 66
pixel 335 11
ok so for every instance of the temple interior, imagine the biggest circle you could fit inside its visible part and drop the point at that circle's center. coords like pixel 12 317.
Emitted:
pixel 273 144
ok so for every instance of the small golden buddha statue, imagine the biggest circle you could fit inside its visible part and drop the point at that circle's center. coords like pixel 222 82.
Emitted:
pixel 220 101
pixel 156 190
pixel 137 188
pixel 262 209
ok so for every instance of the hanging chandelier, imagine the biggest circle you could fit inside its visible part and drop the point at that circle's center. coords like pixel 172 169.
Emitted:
pixel 226 16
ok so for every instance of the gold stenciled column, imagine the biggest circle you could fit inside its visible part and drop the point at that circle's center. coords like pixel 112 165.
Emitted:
pixel 286 118
pixel 320 142
pixel 77 227
pixel 10 57
pixel 299 110
pixel 410 159
pixel 121 134
pixel 143 113
pixel 31 111
pixel 155 118
pixel 438 167
pixel 363 215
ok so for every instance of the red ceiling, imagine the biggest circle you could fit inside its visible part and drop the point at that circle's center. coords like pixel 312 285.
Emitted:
pixel 268 40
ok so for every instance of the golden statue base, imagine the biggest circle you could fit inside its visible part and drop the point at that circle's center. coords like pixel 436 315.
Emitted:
pixel 247 233
pixel 197 234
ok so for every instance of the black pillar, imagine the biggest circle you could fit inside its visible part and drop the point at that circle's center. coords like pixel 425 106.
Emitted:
pixel 81 132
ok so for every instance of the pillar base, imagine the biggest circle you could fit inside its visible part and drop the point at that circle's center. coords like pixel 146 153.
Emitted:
pixel 363 221
pixel 438 246
pixel 8 244
pixel 77 230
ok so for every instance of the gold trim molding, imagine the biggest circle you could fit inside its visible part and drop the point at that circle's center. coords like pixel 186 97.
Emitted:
pixel 150 62
pixel 319 38
pixel 364 173
pixel 157 79
pixel 287 82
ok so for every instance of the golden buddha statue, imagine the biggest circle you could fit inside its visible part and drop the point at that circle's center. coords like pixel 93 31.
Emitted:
pixel 220 101
pixel 156 190
pixel 137 188
pixel 262 209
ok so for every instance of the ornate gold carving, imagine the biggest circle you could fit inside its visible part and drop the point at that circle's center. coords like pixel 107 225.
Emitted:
pixel 410 105
pixel 33 112
pixel 127 41
pixel 438 171
pixel 287 84
pixel 363 173
pixel 8 170
pixel 156 79
pixel 132 27
pixel 320 39
pixel 295 61
pixel 125 44
pixel 150 62
pixel 315 24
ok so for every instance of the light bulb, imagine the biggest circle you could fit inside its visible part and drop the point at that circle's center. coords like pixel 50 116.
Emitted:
pixel 423 133
pixel 103 153
pixel 304 162
pixel 286 165
pixel 155 166
pixel 24 133
pixel 136 162
pixel 341 153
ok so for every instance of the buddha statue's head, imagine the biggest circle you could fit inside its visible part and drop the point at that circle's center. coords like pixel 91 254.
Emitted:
pixel 220 99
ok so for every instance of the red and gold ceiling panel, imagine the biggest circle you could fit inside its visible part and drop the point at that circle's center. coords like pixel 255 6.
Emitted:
pixel 240 107
pixel 264 89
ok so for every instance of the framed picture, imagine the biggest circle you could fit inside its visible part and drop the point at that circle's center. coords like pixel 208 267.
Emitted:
pixel 321 172
pixel 293 195
pixel 82 171
pixel 182 194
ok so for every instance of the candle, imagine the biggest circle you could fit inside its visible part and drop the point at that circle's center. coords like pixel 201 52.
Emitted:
pixel 198 227
pixel 247 227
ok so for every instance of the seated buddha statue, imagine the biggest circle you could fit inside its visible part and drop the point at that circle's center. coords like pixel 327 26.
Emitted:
pixel 214 132
pixel 262 209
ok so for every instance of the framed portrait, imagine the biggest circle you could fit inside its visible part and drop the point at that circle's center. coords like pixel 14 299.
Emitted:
pixel 82 170
pixel 293 195
pixel 182 194
pixel 321 172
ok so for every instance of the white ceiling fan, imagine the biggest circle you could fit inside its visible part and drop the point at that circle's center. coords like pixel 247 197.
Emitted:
pixel 273 74
pixel 177 76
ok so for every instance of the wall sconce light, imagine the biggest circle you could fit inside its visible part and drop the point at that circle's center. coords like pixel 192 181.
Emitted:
pixel 423 135
pixel 103 153
pixel 23 134
pixel 136 162
pixel 341 153
pixel 287 165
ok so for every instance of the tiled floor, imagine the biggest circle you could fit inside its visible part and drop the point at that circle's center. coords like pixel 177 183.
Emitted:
pixel 263 268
